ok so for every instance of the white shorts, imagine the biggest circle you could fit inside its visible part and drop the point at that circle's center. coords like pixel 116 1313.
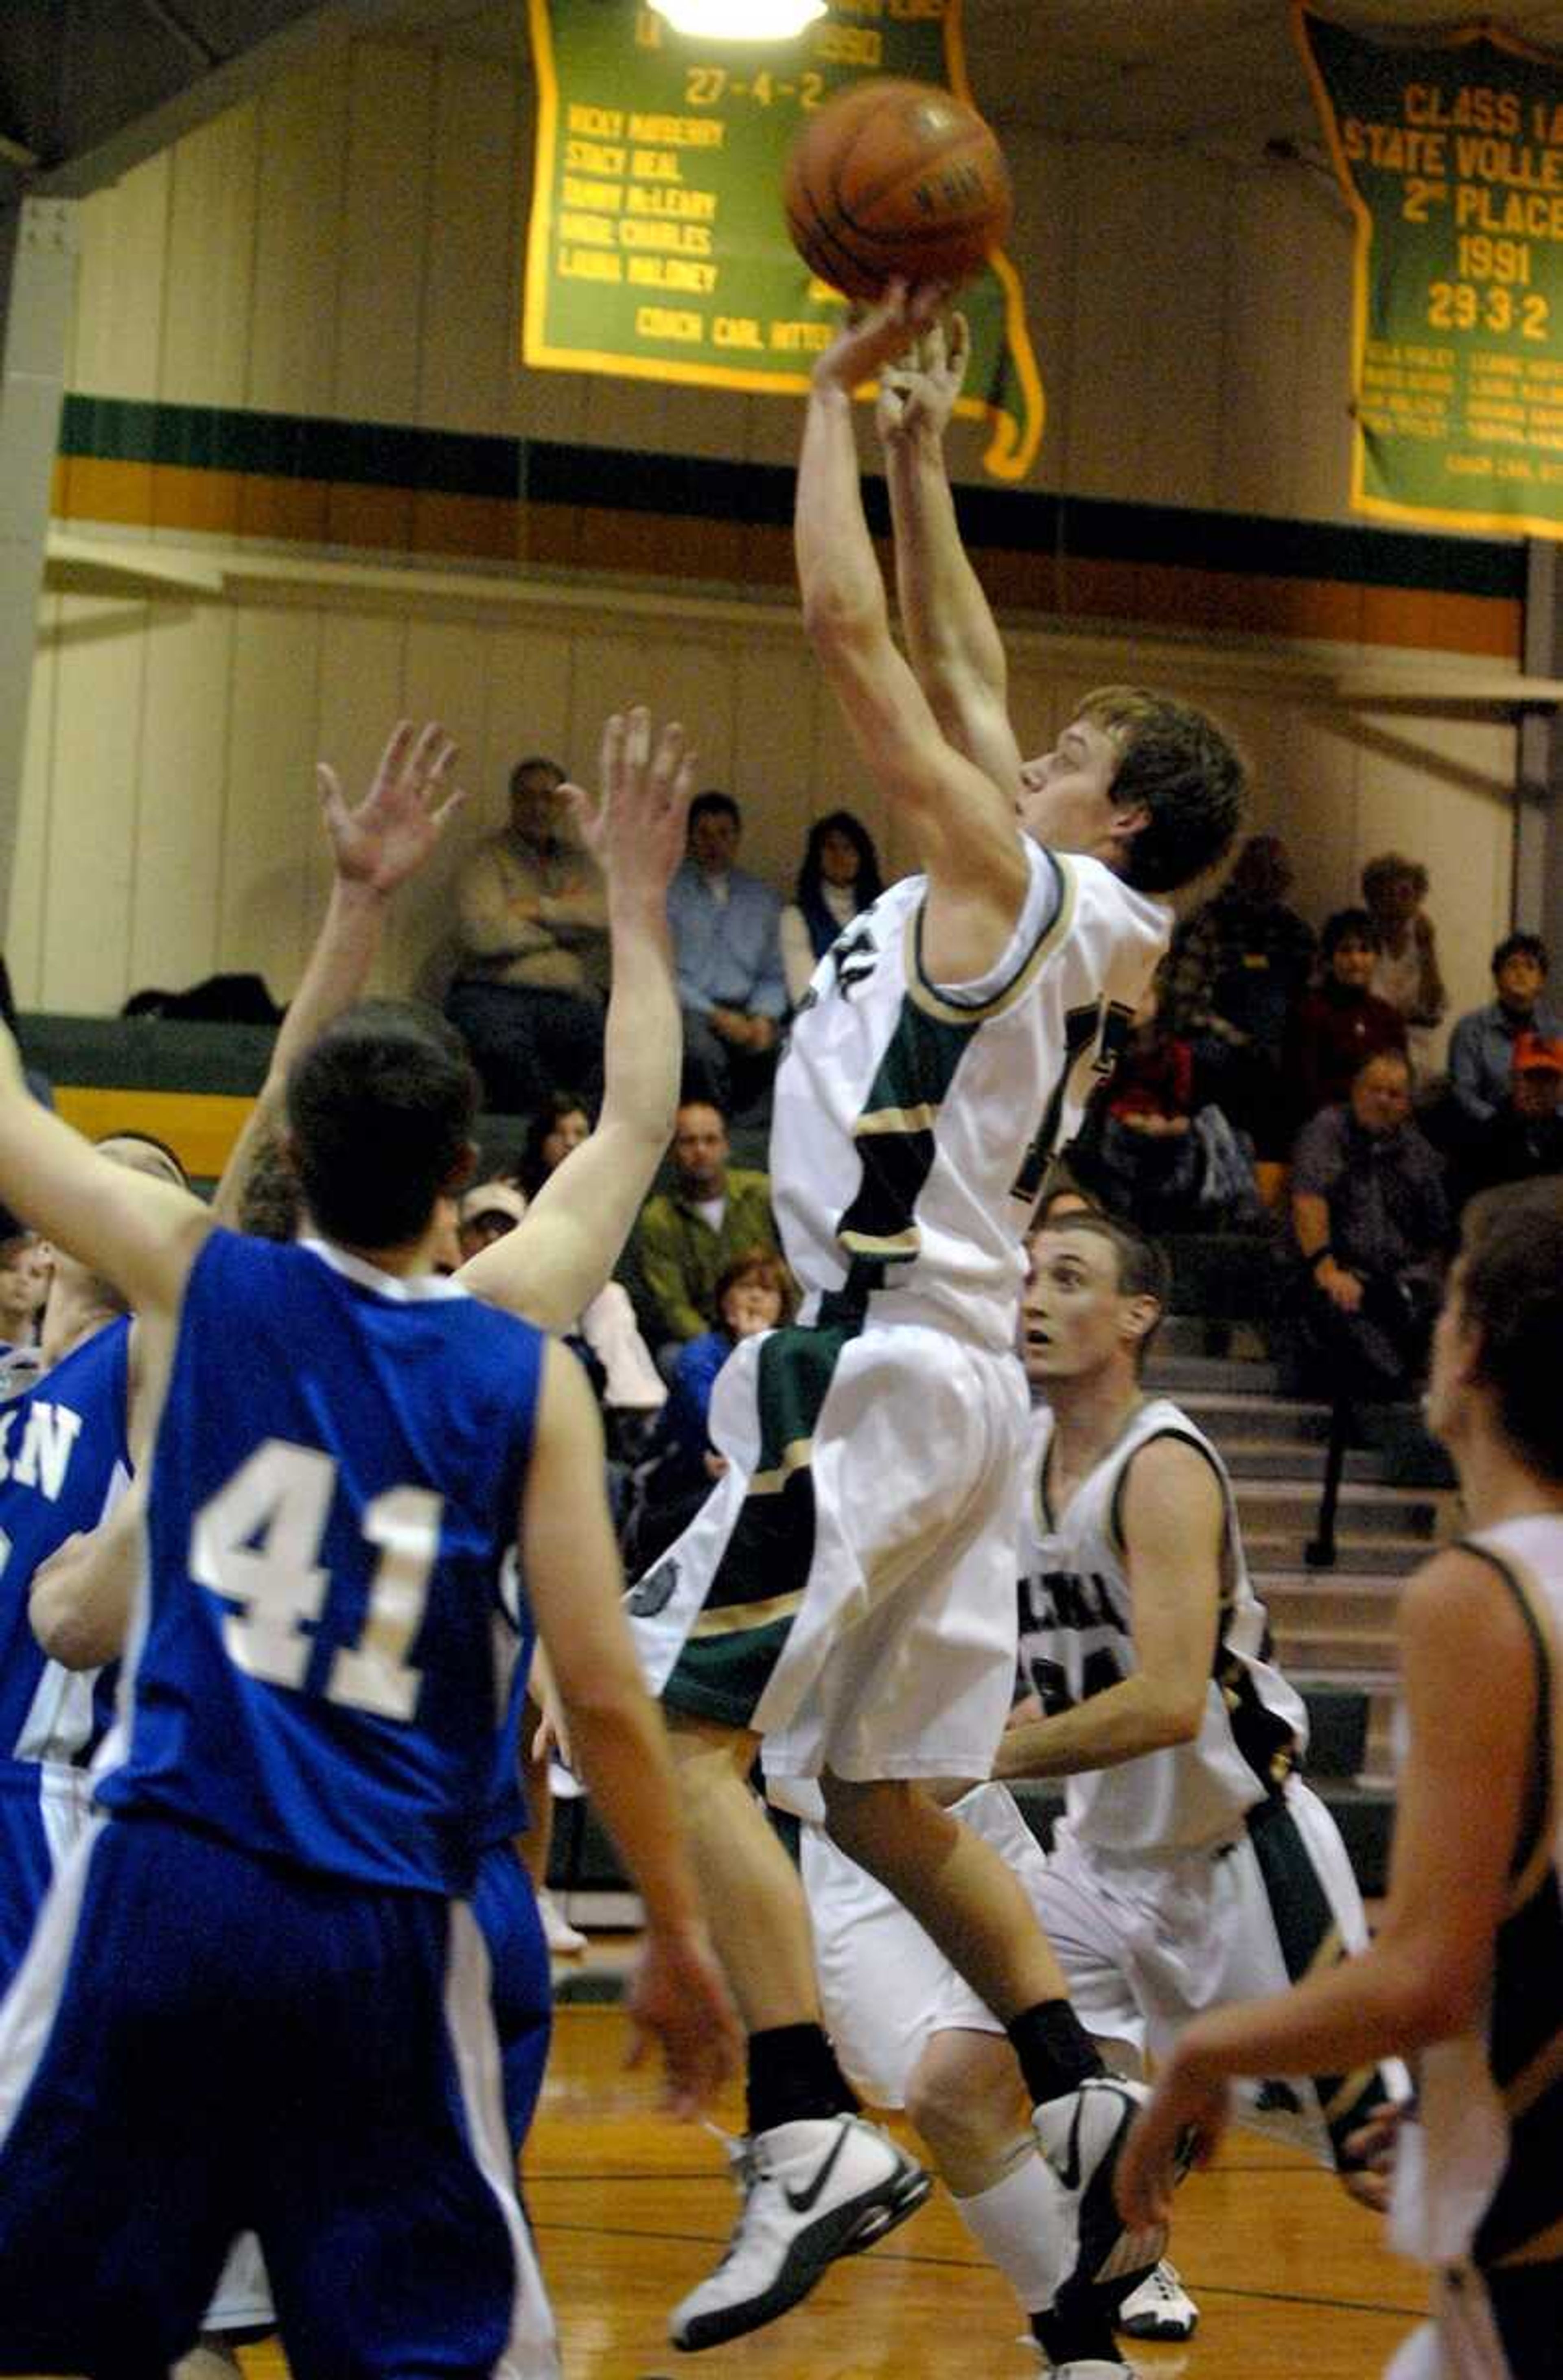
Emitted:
pixel 1144 1946
pixel 847 1589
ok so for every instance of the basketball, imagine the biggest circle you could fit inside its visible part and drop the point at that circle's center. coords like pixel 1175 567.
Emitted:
pixel 895 178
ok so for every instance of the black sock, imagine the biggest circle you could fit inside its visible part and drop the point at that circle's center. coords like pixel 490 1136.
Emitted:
pixel 793 2073
pixel 1082 2334
pixel 1054 2049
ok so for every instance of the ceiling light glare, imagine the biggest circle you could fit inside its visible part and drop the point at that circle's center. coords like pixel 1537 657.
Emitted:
pixel 740 20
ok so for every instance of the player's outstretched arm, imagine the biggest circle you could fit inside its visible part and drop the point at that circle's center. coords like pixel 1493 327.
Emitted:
pixel 560 1254
pixel 950 631
pixel 963 826
pixel 377 845
pixel 570 1563
pixel 139 1230
pixel 1174 1520
pixel 1471 1692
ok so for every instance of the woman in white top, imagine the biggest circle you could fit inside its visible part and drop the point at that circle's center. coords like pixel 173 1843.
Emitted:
pixel 1406 972
pixel 838 878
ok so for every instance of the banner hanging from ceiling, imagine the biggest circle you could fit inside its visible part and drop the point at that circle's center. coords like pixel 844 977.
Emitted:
pixel 1450 153
pixel 657 248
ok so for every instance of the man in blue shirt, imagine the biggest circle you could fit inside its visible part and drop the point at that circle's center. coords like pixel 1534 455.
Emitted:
pixel 1481 1046
pixel 727 941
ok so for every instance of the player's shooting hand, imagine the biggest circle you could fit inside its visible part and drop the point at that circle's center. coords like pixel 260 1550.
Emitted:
pixel 679 2000
pixel 636 825
pixel 871 336
pixel 1372 2147
pixel 1182 2125
pixel 918 390
pixel 386 838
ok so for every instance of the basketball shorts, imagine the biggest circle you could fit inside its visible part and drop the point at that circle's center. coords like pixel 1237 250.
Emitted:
pixel 847 1589
pixel 200 2043
pixel 44 1807
pixel 505 1909
pixel 1144 1944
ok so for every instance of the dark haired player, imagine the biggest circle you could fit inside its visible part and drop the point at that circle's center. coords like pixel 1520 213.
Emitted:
pixel 847 1595
pixel 1466 1966
pixel 274 1898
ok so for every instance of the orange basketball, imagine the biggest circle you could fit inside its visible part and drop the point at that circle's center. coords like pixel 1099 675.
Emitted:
pixel 892 178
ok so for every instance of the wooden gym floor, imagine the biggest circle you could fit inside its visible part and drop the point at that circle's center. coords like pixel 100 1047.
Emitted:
pixel 631 2210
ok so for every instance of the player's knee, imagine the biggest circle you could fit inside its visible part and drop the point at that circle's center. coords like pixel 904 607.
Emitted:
pixel 965 2098
pixel 865 1819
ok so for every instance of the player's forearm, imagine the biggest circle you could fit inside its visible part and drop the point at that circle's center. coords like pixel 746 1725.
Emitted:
pixel 837 570
pixel 1128 1720
pixel 1393 1999
pixel 338 968
pixel 949 627
pixel 644 1040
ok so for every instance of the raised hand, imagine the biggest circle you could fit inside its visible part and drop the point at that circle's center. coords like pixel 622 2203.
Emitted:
pixel 918 390
pixel 872 336
pixel 391 832
pixel 679 2000
pixel 1181 2126
pixel 636 825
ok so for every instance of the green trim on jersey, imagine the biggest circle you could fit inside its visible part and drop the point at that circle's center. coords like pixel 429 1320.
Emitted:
pixel 727 1660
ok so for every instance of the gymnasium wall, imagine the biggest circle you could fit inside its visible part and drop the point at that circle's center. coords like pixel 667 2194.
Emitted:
pixel 293 368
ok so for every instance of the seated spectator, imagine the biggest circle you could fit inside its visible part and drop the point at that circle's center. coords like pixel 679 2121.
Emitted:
pixel 1525 1138
pixel 839 877
pixel 1338 1027
pixel 1394 890
pixel 728 948
pixel 1482 1045
pixel 560 1123
pixel 486 1212
pixel 1238 968
pixel 26 1263
pixel 1165 1164
pixel 688 1236
pixel 1370 1218
pixel 754 1293
pixel 533 917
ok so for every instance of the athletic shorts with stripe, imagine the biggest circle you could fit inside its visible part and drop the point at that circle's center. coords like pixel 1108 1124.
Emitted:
pixel 847 1589
pixel 1145 1945
pixel 202 2042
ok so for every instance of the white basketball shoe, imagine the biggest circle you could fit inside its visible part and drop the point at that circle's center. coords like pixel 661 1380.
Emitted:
pixel 1160 2308
pixel 1082 2135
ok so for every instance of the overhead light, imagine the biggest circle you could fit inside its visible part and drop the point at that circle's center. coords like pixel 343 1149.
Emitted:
pixel 740 20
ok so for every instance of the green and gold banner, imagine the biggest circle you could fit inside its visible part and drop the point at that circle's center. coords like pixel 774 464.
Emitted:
pixel 1450 151
pixel 657 248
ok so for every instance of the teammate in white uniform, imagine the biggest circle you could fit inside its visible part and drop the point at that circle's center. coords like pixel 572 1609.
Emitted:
pixel 1467 1965
pixel 846 1596
pixel 1191 1866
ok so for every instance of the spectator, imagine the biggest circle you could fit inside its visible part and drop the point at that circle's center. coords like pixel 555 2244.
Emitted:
pixel 532 915
pixel 1482 1045
pixel 754 1293
pixel 728 947
pixel 1164 1163
pixel 1338 1027
pixel 1370 1218
pixel 26 1264
pixel 560 1124
pixel 1407 976
pixel 487 1211
pixel 1525 1138
pixel 687 1235
pixel 1238 968
pixel 838 878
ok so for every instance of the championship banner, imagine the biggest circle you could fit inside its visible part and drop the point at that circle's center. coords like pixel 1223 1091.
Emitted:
pixel 1450 151
pixel 657 248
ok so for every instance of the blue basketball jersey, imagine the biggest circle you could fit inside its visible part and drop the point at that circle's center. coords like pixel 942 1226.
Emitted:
pixel 329 1633
pixel 65 1459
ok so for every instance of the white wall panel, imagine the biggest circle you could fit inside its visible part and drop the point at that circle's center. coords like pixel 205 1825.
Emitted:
pixel 380 339
pixel 122 283
pixel 99 663
pixel 179 796
pixel 297 278
pixel 271 826
pixel 470 344
pixel 208 308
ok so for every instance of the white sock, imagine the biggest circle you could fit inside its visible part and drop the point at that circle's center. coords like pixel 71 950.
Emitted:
pixel 1019 2224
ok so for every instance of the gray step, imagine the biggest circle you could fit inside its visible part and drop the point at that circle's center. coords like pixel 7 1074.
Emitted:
pixel 1365 1509
pixel 1343 1652
pixel 1278 1549
pixel 1170 1374
pixel 1231 1418
pixel 1281 1458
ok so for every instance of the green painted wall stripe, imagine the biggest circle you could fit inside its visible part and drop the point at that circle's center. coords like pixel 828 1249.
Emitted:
pixel 541 471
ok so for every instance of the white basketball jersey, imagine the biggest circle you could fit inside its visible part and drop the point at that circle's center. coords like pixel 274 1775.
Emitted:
pixel 1077 1620
pixel 913 1121
pixel 1481 2177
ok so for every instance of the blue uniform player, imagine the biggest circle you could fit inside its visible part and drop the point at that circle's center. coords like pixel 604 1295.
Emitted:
pixel 269 1911
pixel 63 1457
